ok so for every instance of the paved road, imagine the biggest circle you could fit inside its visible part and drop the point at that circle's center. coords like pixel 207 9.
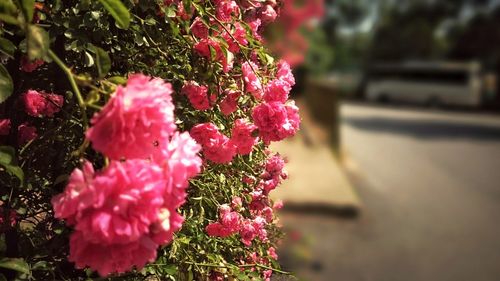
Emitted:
pixel 430 183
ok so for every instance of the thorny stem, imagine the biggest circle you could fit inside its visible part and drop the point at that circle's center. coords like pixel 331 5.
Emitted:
pixel 236 41
pixel 74 86
pixel 243 266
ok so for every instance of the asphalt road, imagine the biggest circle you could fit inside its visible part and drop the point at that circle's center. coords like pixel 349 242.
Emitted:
pixel 430 184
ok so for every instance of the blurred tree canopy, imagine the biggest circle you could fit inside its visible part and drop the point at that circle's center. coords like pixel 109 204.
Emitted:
pixel 420 29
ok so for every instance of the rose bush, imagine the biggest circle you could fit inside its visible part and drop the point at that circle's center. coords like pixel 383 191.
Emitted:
pixel 134 139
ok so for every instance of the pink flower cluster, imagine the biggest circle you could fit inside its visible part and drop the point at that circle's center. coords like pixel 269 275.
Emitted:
pixel 275 118
pixel 274 173
pixel 252 82
pixel 7 219
pixel 231 222
pixel 138 119
pixel 198 95
pixel 30 66
pixel 225 9
pixel 5 127
pixel 221 149
pixel 230 102
pixel 255 258
pixel 123 213
pixel 40 104
pixel 243 137
pixel 217 147
pixel 25 132
pixel 223 32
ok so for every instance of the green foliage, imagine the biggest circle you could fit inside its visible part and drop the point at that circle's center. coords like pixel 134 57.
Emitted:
pixel 6 85
pixel 9 161
pixel 38 42
pixel 118 11
pixel 15 264
pixel 7 47
pixel 89 48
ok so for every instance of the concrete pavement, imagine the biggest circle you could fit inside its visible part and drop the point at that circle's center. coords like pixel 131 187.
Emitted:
pixel 316 180
pixel 430 186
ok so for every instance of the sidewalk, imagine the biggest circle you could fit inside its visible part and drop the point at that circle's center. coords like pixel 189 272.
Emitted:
pixel 317 181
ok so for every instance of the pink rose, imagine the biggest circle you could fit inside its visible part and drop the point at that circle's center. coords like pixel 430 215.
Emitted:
pixel 204 45
pixel 39 104
pixel 229 223
pixel 285 73
pixel 7 218
pixel 180 164
pixel 216 146
pixel 255 24
pixel 226 59
pixel 26 133
pixel 267 14
pixel 269 116
pixel 30 66
pixel 272 253
pixel 117 205
pixel 224 9
pixel 252 82
pixel 278 204
pixel 121 215
pixel 199 29
pixel 236 202
pixel 276 121
pixel 198 95
pixel 136 122
pixel 5 127
pixel 230 103
pixel 277 91
pixel 247 234
pixel 110 258
pixel 274 166
pixel 242 136
pixel 238 37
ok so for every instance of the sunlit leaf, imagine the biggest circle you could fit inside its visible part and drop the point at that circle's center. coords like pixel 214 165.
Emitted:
pixel 7 47
pixel 118 11
pixel 6 84
pixel 28 7
pixel 38 42
pixel 15 264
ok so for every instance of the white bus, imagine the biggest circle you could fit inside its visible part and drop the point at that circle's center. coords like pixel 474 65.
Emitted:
pixel 432 83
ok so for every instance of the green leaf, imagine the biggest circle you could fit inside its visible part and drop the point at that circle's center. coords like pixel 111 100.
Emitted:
pixel 8 7
pixel 7 47
pixel 118 80
pixel 16 171
pixel 38 42
pixel 8 19
pixel 15 264
pixel 28 7
pixel 3 278
pixel 9 161
pixel 41 265
pixel 118 11
pixel 171 13
pixel 170 269
pixel 7 155
pixel 89 60
pixel 6 84
pixel 103 61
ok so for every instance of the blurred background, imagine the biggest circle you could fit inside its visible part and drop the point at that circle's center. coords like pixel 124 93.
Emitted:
pixel 395 174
